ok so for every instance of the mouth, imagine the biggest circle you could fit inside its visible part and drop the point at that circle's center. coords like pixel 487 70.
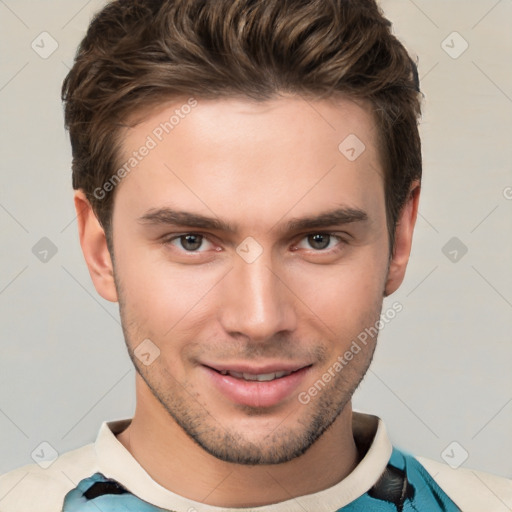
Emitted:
pixel 262 386
pixel 260 377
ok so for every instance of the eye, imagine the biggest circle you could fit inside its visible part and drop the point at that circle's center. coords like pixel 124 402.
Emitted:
pixel 322 241
pixel 190 242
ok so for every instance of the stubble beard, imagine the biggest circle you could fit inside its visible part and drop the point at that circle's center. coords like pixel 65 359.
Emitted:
pixel 284 443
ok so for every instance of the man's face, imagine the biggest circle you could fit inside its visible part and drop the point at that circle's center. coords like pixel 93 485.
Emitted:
pixel 268 295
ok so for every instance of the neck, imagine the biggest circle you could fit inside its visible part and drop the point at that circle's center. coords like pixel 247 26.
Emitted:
pixel 176 462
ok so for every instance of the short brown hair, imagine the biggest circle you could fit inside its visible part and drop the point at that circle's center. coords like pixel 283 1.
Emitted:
pixel 138 53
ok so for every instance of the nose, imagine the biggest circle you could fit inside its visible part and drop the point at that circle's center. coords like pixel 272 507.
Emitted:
pixel 256 302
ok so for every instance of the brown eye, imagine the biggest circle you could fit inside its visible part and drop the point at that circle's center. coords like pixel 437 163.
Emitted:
pixel 322 243
pixel 319 241
pixel 188 242
pixel 191 242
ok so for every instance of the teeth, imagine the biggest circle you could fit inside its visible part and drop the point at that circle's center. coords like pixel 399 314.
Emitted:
pixel 262 377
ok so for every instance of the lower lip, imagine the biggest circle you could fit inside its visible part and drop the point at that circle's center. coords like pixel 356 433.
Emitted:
pixel 256 393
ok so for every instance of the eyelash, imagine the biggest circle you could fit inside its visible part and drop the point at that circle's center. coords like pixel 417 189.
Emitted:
pixel 167 241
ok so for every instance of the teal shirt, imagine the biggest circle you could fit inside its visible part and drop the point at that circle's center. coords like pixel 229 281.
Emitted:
pixel 404 486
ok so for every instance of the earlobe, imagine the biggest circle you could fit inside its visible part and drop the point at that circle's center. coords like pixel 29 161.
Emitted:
pixel 403 240
pixel 94 247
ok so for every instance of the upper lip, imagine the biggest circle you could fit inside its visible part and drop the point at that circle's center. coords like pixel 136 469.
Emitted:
pixel 258 369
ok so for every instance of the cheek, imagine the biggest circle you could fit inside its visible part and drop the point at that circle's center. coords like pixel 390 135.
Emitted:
pixel 346 288
pixel 160 297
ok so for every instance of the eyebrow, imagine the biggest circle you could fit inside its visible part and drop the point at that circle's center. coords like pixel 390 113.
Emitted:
pixel 169 216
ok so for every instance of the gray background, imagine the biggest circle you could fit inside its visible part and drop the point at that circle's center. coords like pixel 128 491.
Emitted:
pixel 442 367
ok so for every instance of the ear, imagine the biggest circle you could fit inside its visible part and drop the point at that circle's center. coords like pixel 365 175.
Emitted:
pixel 403 240
pixel 94 246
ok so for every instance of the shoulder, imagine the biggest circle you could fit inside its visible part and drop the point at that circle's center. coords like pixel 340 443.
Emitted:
pixel 32 487
pixel 471 490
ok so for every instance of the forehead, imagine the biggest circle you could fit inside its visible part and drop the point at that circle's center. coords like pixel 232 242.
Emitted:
pixel 271 156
